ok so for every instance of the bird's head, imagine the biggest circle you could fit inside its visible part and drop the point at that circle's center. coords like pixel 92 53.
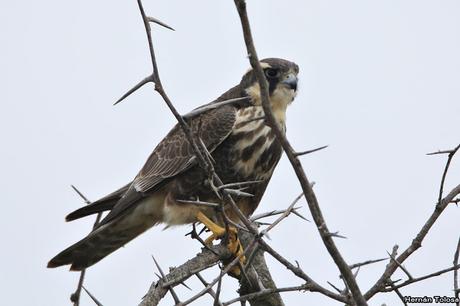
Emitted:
pixel 281 76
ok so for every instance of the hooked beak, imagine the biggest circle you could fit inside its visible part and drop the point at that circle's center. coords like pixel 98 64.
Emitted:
pixel 291 81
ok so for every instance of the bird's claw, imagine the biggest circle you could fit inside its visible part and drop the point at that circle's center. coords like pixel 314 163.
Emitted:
pixel 233 242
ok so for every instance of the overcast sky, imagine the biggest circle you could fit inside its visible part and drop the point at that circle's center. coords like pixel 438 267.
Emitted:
pixel 379 85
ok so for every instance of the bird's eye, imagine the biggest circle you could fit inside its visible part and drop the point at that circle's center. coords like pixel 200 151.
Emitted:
pixel 271 73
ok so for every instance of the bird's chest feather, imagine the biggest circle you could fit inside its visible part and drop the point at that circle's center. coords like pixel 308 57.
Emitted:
pixel 250 151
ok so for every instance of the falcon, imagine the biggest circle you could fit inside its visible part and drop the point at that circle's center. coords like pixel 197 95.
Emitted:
pixel 241 146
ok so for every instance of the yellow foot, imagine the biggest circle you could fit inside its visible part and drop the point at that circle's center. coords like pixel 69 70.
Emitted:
pixel 234 244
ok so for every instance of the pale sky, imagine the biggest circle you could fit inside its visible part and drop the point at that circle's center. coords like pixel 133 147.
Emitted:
pixel 379 85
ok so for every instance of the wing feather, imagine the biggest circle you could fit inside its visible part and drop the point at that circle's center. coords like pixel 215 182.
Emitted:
pixel 174 155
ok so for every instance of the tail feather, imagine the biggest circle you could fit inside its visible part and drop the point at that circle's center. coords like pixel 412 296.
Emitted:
pixel 90 209
pixel 104 204
pixel 97 245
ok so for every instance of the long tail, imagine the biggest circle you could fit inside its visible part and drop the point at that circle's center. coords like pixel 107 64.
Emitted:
pixel 102 241
pixel 104 204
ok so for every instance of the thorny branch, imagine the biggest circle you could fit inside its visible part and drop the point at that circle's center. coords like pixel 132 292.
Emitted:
pixel 201 153
pixel 291 154
pixel 417 241
pixel 456 255
pixel 255 246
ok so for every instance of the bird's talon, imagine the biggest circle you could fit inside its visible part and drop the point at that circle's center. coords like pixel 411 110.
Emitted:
pixel 233 244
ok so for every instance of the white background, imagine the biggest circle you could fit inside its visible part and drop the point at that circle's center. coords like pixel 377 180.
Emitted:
pixel 379 84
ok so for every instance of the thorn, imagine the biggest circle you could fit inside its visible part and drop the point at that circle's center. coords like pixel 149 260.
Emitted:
pixel 185 285
pixel 158 267
pixel 92 297
pixel 80 194
pixel 299 215
pixel 135 87
pixel 441 152
pixel 310 151
pixel 368 262
pixel 336 235
pixel 333 286
pixel 154 20
pixel 238 184
pixel 238 193
pixel 208 204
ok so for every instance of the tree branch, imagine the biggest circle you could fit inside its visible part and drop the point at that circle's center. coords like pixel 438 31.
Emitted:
pixel 304 182
pixel 416 244
pixel 207 258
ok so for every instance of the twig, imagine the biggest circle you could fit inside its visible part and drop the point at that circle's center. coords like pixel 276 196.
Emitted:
pixel 75 297
pixel 334 286
pixel 221 274
pixel 314 287
pixel 239 184
pixel 202 261
pixel 278 212
pixel 171 289
pixel 283 216
pixel 265 292
pixel 367 262
pixel 400 266
pixel 450 156
pixel 210 291
pixel 308 191
pixel 418 279
pixel 398 293
pixel 417 241
pixel 456 255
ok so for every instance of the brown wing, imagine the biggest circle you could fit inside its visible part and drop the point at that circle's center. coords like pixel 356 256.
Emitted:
pixel 174 155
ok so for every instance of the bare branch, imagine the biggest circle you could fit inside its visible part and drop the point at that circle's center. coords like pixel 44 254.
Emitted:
pixel 314 287
pixel 210 291
pixel 418 279
pixel 239 184
pixel 367 262
pixel 265 292
pixel 400 266
pixel 456 255
pixel 202 261
pixel 221 274
pixel 278 212
pixel 308 191
pixel 450 156
pixel 283 216
pixel 416 244
pixel 398 293
pixel 171 289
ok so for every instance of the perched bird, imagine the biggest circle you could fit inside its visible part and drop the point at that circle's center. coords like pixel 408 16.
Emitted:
pixel 242 147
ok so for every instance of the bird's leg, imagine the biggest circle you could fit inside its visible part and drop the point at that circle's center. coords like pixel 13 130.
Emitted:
pixel 234 244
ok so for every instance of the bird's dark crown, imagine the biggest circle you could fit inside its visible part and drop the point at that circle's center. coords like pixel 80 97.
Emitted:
pixel 276 70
